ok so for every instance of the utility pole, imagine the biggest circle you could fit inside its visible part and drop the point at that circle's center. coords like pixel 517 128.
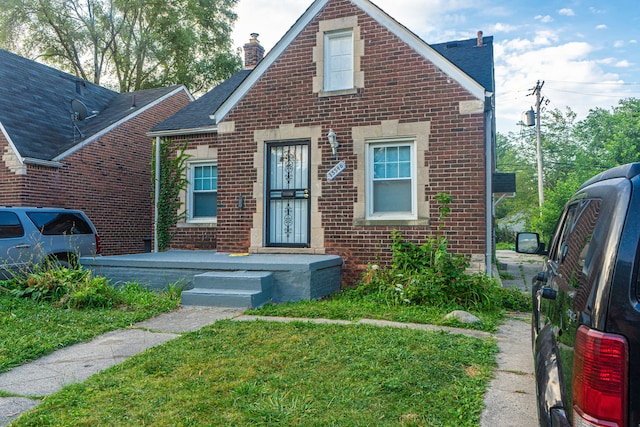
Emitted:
pixel 539 100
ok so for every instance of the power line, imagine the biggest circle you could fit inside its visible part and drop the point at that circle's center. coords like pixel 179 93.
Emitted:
pixel 593 94
pixel 596 83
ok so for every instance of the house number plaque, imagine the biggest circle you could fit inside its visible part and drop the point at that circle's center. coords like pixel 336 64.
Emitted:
pixel 336 170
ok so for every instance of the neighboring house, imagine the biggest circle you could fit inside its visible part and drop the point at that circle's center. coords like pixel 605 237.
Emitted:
pixel 65 142
pixel 410 119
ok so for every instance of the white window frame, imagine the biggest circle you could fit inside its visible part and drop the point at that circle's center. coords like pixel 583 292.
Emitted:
pixel 399 215
pixel 329 84
pixel 191 167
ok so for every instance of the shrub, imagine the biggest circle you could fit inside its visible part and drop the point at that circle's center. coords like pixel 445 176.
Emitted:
pixel 429 274
pixel 79 289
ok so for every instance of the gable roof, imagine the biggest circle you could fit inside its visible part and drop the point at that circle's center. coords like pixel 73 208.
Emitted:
pixel 474 60
pixel 35 108
pixel 194 117
pixel 473 86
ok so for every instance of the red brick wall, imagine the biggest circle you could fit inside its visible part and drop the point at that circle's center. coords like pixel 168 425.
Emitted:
pixel 10 184
pixel 187 236
pixel 110 179
pixel 399 85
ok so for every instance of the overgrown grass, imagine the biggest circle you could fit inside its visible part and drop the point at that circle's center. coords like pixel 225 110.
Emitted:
pixel 32 325
pixel 295 374
pixel 350 304
pixel 422 284
pixel 505 246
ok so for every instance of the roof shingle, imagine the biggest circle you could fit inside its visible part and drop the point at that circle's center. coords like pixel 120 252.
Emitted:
pixel 35 106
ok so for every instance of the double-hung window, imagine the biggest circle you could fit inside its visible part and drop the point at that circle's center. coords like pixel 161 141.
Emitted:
pixel 338 61
pixel 203 191
pixel 391 184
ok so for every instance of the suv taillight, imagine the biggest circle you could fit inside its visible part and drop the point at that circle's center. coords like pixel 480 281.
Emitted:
pixel 98 248
pixel 599 379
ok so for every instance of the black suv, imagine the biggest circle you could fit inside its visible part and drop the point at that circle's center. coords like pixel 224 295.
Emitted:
pixel 586 306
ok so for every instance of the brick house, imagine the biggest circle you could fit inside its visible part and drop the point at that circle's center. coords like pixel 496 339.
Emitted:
pixel 65 142
pixel 408 120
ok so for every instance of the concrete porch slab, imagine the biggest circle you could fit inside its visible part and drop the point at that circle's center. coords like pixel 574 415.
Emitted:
pixel 296 277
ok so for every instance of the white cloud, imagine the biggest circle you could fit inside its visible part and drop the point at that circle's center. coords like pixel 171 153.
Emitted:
pixel 618 43
pixel 545 19
pixel 633 41
pixel 623 64
pixel 606 61
pixel 565 68
pixel 566 12
pixel 503 28
pixel 544 38
pixel 601 27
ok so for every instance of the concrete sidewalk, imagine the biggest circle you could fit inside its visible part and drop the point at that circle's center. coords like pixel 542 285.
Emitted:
pixel 509 401
pixel 511 398
pixel 78 362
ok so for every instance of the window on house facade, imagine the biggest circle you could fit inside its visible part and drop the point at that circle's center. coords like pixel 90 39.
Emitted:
pixel 391 186
pixel 203 191
pixel 338 61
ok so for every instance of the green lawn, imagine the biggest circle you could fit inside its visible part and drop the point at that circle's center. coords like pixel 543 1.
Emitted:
pixel 30 329
pixel 291 374
pixel 264 373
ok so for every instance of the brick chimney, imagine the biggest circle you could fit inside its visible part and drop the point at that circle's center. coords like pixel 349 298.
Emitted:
pixel 480 40
pixel 253 52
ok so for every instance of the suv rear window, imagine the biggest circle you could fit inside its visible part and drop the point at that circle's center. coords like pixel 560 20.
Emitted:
pixel 575 256
pixel 57 223
pixel 10 226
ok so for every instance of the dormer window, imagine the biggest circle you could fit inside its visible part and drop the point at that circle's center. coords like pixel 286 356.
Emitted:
pixel 338 61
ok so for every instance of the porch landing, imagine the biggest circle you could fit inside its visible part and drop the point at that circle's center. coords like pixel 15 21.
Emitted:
pixel 220 279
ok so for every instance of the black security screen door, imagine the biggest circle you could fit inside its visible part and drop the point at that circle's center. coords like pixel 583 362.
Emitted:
pixel 288 194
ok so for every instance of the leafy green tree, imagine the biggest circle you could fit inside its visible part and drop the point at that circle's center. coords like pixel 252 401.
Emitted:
pixel 573 152
pixel 138 43
pixel 514 155
pixel 613 136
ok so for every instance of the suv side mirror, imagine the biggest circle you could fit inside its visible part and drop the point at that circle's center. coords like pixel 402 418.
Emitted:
pixel 529 243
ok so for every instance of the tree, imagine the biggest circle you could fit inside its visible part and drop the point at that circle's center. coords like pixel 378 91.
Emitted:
pixel 138 43
pixel 613 136
pixel 573 152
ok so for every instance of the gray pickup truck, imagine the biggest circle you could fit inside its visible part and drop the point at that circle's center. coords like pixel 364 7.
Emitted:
pixel 32 236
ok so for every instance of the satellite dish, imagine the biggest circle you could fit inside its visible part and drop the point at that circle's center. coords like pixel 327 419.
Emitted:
pixel 79 110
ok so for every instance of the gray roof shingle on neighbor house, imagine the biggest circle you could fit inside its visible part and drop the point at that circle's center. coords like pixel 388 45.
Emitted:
pixel 35 107
pixel 196 114
pixel 476 61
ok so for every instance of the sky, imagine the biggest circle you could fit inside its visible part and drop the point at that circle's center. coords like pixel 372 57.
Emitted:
pixel 586 52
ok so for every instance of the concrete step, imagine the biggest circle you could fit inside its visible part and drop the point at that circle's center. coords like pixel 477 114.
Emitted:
pixel 255 280
pixel 224 298
pixel 230 289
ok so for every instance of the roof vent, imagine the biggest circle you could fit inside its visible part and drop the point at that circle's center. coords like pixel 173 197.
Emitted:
pixel 80 86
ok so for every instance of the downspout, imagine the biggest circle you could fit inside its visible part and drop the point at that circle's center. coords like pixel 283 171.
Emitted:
pixel 156 201
pixel 489 159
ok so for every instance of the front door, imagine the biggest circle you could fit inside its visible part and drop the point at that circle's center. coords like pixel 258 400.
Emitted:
pixel 288 195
